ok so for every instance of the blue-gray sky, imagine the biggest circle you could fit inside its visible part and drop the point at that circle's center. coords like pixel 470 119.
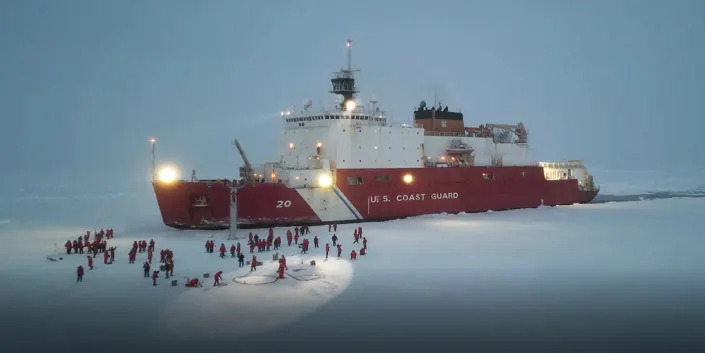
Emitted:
pixel 83 83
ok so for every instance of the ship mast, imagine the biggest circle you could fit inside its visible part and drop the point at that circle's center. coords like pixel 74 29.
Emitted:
pixel 344 81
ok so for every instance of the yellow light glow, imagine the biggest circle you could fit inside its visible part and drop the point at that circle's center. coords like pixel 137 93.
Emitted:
pixel 324 180
pixel 443 158
pixel 274 176
pixel 168 174
pixel 291 145
pixel 318 144
pixel 350 105
pixel 408 178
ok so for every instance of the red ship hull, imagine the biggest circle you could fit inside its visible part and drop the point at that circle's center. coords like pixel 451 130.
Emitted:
pixel 382 195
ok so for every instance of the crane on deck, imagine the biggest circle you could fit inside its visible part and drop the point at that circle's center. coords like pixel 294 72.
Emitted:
pixel 246 171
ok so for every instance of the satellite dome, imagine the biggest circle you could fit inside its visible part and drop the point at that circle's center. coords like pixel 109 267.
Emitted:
pixel 339 98
pixel 423 104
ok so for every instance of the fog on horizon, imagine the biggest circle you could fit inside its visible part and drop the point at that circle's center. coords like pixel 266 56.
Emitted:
pixel 84 83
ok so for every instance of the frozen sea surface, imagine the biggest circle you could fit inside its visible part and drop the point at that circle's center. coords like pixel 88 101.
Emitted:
pixel 613 276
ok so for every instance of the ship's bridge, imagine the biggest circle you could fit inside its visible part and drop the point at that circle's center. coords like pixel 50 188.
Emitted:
pixel 327 118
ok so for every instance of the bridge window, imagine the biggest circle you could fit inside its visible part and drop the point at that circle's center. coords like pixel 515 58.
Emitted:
pixel 382 178
pixel 443 123
pixel 355 180
pixel 523 175
pixel 488 176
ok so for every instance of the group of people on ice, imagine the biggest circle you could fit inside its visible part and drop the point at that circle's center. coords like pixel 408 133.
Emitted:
pixel 98 245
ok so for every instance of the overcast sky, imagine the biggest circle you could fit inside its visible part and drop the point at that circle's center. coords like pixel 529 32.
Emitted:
pixel 84 83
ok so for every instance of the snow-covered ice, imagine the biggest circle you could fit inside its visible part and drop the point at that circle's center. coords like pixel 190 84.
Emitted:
pixel 607 272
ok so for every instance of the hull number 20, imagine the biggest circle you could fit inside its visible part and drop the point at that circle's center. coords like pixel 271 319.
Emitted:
pixel 283 203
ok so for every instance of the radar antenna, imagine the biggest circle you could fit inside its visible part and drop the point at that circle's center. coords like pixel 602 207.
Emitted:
pixel 344 80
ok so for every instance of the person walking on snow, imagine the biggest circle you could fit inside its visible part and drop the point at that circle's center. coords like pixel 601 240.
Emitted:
pixel 146 269
pixel 79 274
pixel 155 275
pixel 222 250
pixel 327 249
pixel 296 238
pixel 288 239
pixel 283 262
pixel 315 241
pixel 218 276
pixel 90 263
pixel 356 237
pixel 253 264
pixel 240 259
pixel 329 227
pixel 232 250
pixel 364 243
pixel 353 255
pixel 68 247
pixel 340 250
pixel 335 239
pixel 149 255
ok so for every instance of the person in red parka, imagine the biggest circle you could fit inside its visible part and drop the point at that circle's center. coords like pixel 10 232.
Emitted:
pixel 327 249
pixel 151 244
pixel 106 255
pixel 232 250
pixel 288 239
pixel 281 271
pixel 208 246
pixel 362 252
pixel 192 283
pixel 340 250
pixel 252 247
pixel 296 238
pixel 283 262
pixel 218 276
pixel 68 246
pixel 253 264
pixel 353 255
pixel 79 273
pixel 364 243
pixel 149 255
pixel 222 250
pixel 90 263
